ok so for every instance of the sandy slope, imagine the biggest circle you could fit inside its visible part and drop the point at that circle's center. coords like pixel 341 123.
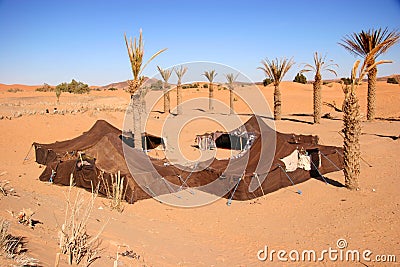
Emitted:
pixel 213 235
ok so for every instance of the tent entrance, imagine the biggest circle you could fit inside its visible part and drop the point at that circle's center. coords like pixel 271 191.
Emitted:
pixel 231 141
pixel 149 141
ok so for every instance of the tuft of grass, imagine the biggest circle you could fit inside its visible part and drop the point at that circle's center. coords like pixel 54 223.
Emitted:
pixel 116 191
pixel 75 242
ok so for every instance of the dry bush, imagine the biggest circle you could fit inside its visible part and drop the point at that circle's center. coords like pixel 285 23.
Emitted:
pixel 6 189
pixel 116 191
pixel 12 246
pixel 9 244
pixel 75 242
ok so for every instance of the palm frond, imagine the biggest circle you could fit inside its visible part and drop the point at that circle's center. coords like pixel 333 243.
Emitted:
pixel 165 73
pixel 276 69
pixel 320 65
pixel 363 43
pixel 180 72
pixel 136 53
pixel 210 75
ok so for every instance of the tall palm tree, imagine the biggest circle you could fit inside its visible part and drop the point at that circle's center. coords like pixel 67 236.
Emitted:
pixel 352 123
pixel 276 70
pixel 166 74
pixel 362 44
pixel 210 75
pixel 136 54
pixel 319 66
pixel 179 73
pixel 231 78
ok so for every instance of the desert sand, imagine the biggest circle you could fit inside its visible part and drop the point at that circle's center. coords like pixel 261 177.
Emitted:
pixel 215 234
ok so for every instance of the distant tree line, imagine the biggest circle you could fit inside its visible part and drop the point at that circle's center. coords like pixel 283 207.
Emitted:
pixel 74 87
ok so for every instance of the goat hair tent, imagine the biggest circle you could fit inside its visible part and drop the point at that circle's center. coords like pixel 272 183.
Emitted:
pixel 98 153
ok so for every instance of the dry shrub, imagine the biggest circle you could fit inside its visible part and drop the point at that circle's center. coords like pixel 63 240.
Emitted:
pixel 9 244
pixel 12 246
pixel 75 242
pixel 116 191
pixel 6 189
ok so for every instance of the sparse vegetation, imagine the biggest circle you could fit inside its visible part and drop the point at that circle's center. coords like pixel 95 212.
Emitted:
pixel 266 82
pixel 12 247
pixel 205 85
pixel 45 88
pixel 75 242
pixel 112 89
pixel 300 78
pixel 392 80
pixel 14 90
pixel 115 191
pixel 73 87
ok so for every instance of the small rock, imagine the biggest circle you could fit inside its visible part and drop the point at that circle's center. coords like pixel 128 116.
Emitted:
pixel 373 190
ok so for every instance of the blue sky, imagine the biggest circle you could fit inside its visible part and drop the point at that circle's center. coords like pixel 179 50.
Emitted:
pixel 55 41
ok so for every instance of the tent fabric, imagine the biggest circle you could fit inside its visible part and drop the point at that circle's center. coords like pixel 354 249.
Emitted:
pixel 102 150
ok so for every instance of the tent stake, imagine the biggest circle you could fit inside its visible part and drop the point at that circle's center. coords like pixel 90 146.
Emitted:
pixel 229 202
pixel 287 175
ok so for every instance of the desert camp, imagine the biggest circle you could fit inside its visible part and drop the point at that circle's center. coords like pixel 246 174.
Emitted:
pixel 213 133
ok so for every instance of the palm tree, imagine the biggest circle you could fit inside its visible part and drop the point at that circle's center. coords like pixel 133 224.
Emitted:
pixel 352 123
pixel 166 74
pixel 136 54
pixel 210 75
pixel 276 70
pixel 231 78
pixel 319 66
pixel 179 73
pixel 362 44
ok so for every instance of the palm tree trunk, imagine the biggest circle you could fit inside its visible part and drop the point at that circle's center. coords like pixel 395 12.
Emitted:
pixel 231 100
pixel 371 99
pixel 211 97
pixel 317 98
pixel 352 132
pixel 178 99
pixel 277 103
pixel 166 100
pixel 136 108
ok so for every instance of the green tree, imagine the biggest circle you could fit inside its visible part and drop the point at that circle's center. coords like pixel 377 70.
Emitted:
pixel 300 78
pixel 210 75
pixel 363 44
pixel 136 54
pixel 319 66
pixel 276 70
